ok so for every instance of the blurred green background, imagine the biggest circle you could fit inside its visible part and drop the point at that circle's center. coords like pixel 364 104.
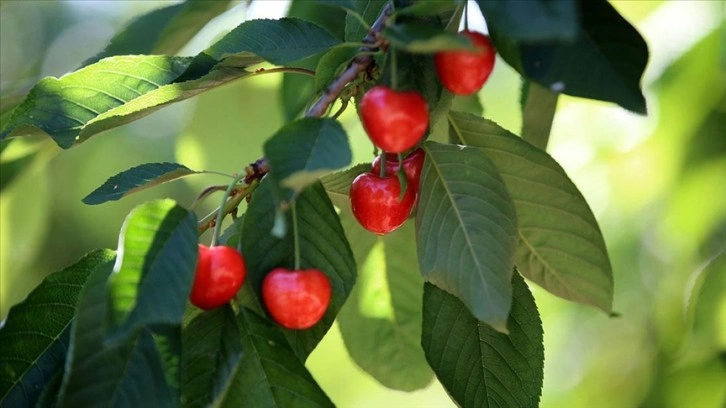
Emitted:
pixel 657 185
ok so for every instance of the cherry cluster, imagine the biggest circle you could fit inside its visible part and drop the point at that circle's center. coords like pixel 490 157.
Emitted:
pixel 295 299
pixel 396 122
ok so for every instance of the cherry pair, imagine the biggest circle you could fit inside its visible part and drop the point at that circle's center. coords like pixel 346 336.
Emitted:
pixel 296 299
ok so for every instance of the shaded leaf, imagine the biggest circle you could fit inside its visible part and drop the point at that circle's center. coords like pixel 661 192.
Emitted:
pixel 209 360
pixel 337 184
pixel 277 41
pixel 369 10
pixel 381 321
pixel 332 63
pixel 35 334
pixel 162 31
pixel 304 150
pixel 533 20
pixel 424 38
pixel 560 247
pixel 269 374
pixel 154 272
pixel 126 374
pixel 322 246
pixel 479 366
pixel 538 112
pixel 605 61
pixel 466 230
pixel 136 179
pixel 427 8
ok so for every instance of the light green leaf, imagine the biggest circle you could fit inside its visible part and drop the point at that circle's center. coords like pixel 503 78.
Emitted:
pixel 162 31
pixel 125 374
pixel 480 366
pixel 35 335
pixel 280 41
pixel 304 150
pixel 63 107
pixel 560 247
pixel 381 321
pixel 269 374
pixel 424 38
pixel 154 272
pixel 136 179
pixel 322 246
pixel 209 360
pixel 466 230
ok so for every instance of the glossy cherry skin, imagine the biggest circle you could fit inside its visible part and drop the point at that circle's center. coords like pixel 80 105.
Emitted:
pixel 219 274
pixel 412 165
pixel 296 299
pixel 376 205
pixel 395 121
pixel 465 72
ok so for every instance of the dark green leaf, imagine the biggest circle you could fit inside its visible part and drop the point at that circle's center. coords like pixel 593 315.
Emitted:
pixel 331 64
pixel 538 112
pixel 418 72
pixel 533 20
pixel 304 150
pixel 560 247
pixel 269 374
pixel 277 41
pixel 344 4
pixel 338 184
pixel 153 276
pixel 479 366
pixel 35 335
pixel 162 31
pixel 136 179
pixel 423 38
pixel 64 108
pixel 126 374
pixel 605 62
pixel 427 8
pixel 168 343
pixel 322 246
pixel 467 230
pixel 369 10
pixel 381 321
pixel 211 352
pixel 49 396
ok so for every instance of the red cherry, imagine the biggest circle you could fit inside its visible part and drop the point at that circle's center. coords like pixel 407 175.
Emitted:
pixel 465 72
pixel 395 121
pixel 412 165
pixel 296 299
pixel 376 205
pixel 219 275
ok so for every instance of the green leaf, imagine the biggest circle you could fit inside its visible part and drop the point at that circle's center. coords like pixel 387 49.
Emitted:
pixel 63 108
pixel 533 20
pixel 560 247
pixel 427 8
pixel 126 374
pixel 466 230
pixel 381 321
pixel 277 41
pixel 269 374
pixel 331 64
pixel 322 246
pixel 304 150
pixel 136 179
pixel 35 335
pixel 538 112
pixel 49 396
pixel 424 38
pixel 606 60
pixel 480 366
pixel 209 360
pixel 337 184
pixel 154 272
pixel 344 4
pixel 369 10
pixel 10 169
pixel 162 31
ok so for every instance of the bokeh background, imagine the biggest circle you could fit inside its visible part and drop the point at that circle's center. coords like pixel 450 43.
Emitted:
pixel 656 183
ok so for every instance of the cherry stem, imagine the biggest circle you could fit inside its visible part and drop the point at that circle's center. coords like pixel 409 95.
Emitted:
pixel 295 237
pixel 394 69
pixel 383 164
pixel 292 70
pixel 221 211
pixel 466 15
